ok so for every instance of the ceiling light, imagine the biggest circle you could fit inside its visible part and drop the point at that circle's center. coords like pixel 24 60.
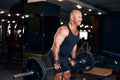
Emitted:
pixel 13 21
pixel 90 10
pixel 79 6
pixel 86 26
pixel 61 23
pixel 2 12
pixel 17 14
pixel 89 30
pixel 81 25
pixel 26 16
pixel 3 20
pixel 60 0
pixel 15 26
pixel 85 14
pixel 91 26
pixel 31 1
pixel 9 14
pixel 81 31
pixel 87 5
pixel 99 13
pixel 22 17
pixel 8 21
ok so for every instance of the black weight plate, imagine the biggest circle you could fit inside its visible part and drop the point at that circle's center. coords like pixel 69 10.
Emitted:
pixel 85 61
pixel 36 65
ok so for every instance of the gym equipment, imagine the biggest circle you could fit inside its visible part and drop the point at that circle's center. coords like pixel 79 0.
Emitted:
pixel 85 61
pixel 34 69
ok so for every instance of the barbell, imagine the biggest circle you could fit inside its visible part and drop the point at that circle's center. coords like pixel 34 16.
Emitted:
pixel 34 69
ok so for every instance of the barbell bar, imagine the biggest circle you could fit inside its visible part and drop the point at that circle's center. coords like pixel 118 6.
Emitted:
pixel 23 74
pixel 34 69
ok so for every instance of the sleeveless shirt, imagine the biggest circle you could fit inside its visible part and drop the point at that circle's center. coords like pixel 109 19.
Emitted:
pixel 69 43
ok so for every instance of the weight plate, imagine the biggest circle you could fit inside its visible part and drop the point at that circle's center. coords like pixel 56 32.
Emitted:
pixel 85 61
pixel 36 65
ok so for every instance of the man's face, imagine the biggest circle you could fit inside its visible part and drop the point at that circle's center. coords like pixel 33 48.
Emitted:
pixel 77 18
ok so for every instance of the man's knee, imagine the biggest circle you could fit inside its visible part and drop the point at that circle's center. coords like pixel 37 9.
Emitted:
pixel 67 75
pixel 58 76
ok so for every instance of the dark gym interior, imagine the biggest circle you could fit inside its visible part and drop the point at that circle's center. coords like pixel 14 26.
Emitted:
pixel 27 28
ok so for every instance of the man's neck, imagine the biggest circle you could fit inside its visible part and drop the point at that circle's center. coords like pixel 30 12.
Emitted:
pixel 72 26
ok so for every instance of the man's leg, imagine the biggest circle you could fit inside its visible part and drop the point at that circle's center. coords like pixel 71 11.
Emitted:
pixel 66 75
pixel 58 76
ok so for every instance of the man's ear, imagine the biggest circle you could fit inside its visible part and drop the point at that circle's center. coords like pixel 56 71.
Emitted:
pixel 72 17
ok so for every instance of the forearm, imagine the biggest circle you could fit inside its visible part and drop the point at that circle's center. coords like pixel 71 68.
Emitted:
pixel 73 53
pixel 56 57
pixel 55 52
pixel 73 56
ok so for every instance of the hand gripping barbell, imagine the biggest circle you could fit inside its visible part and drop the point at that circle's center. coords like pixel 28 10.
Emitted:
pixel 34 69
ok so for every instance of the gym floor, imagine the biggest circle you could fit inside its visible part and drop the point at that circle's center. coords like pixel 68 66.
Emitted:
pixel 7 69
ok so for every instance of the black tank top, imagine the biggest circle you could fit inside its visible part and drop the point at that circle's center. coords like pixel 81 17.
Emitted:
pixel 68 44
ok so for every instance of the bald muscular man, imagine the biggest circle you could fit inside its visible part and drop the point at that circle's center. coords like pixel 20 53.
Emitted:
pixel 64 46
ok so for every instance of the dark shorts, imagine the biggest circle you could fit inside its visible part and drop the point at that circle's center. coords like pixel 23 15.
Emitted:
pixel 64 62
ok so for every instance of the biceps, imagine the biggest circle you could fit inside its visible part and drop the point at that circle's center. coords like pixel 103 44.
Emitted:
pixel 58 39
pixel 60 36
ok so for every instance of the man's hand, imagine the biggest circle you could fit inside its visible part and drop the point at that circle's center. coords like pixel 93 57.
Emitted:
pixel 73 63
pixel 57 66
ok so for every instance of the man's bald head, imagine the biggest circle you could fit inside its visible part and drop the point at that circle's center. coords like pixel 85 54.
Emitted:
pixel 74 12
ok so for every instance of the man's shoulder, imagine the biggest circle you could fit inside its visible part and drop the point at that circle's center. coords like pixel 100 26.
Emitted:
pixel 64 27
pixel 63 30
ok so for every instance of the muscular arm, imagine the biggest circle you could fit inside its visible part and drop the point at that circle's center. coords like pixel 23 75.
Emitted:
pixel 59 37
pixel 73 53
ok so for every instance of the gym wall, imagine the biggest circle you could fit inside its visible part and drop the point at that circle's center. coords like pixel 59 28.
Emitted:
pixel 109 30
pixel 40 28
